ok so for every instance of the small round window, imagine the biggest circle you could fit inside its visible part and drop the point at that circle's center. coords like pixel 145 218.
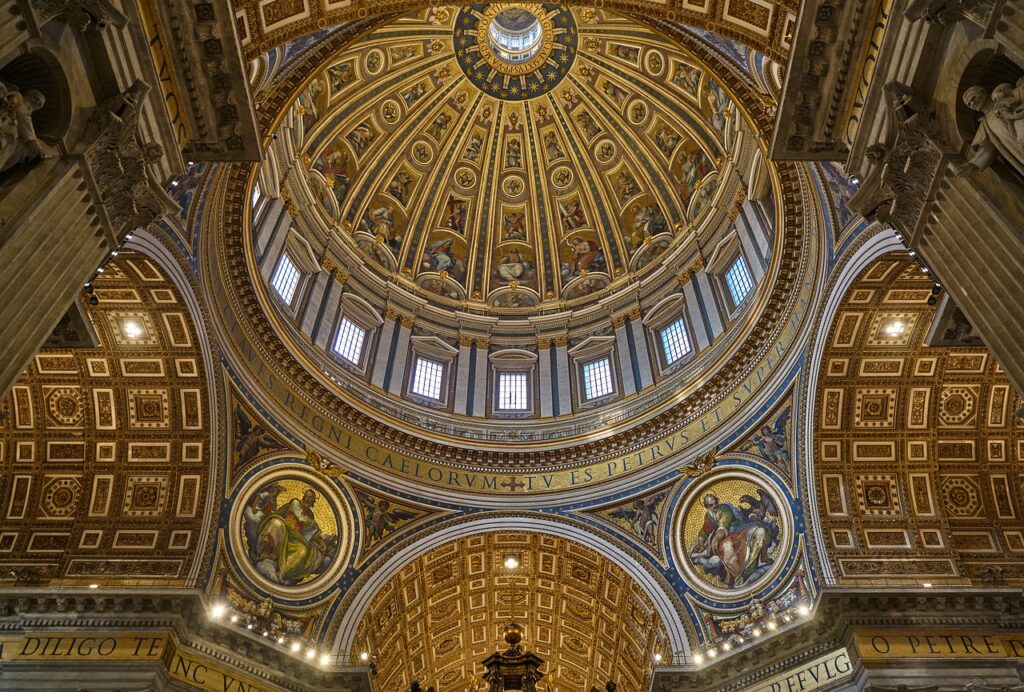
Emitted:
pixel 515 35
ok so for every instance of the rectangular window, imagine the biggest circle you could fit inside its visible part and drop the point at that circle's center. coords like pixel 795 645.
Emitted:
pixel 426 379
pixel 597 379
pixel 257 195
pixel 512 391
pixel 285 279
pixel 349 342
pixel 739 281
pixel 675 341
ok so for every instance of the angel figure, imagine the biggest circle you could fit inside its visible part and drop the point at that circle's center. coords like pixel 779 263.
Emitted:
pixel 772 442
pixel 251 439
pixel 642 516
pixel 380 518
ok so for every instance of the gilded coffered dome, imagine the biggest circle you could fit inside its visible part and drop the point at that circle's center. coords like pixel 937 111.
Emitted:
pixel 508 158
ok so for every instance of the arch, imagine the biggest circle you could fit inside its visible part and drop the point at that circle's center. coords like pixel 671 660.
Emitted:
pixel 875 245
pixel 366 589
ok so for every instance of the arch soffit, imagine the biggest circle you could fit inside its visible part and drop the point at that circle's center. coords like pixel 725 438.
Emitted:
pixel 365 591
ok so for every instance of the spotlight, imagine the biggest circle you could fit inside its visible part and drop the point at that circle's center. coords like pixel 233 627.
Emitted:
pixel 280 640
pixel 295 647
pixel 94 586
pixel 855 180
pixel 698 659
pixel 936 289
pixel 712 653
pixel 132 330
pixel 88 288
pixel 99 270
pixel 249 626
pixel 756 632
pixel 234 618
pixel 657 658
pixel 927 585
pixel 217 611
pixel 266 633
pixel 727 647
pixel 772 625
pixel 129 236
pixel 113 253
pixel 932 300
pixel 93 300
pixel 511 562
pixel 310 653
pixel 804 610
pixel 364 656
pixel 324 659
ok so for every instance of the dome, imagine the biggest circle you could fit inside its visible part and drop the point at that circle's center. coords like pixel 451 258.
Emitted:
pixel 514 159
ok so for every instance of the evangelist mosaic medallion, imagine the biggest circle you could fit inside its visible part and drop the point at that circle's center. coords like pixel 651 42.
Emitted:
pixel 290 532
pixel 733 533
pixel 516 51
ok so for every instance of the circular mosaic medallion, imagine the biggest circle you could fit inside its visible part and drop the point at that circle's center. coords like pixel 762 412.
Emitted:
pixel 515 51
pixel 290 531
pixel 513 186
pixel 733 533
pixel 562 177
pixel 390 112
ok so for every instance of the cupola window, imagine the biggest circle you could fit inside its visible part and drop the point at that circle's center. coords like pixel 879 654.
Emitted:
pixel 427 377
pixel 597 379
pixel 739 281
pixel 285 279
pixel 675 341
pixel 349 342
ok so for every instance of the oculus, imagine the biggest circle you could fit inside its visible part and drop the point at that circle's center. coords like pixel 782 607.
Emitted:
pixel 515 51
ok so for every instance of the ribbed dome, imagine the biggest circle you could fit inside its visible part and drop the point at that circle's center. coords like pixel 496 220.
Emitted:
pixel 510 186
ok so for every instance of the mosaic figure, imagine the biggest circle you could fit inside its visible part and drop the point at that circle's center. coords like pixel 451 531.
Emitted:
pixel 738 540
pixel 284 538
pixel 771 440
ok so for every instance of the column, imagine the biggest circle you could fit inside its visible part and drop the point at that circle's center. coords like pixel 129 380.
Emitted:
pixel 313 308
pixel 708 303
pixel 385 345
pixel 701 326
pixel 395 377
pixel 462 375
pixel 640 350
pixel 50 245
pixel 564 376
pixel 745 224
pixel 625 355
pixel 479 375
pixel 327 312
pixel 547 390
pixel 275 243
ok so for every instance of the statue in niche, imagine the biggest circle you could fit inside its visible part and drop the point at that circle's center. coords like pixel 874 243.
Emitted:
pixel 18 141
pixel 1000 130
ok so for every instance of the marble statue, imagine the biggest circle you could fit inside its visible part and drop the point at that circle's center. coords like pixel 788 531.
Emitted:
pixel 18 141
pixel 1001 129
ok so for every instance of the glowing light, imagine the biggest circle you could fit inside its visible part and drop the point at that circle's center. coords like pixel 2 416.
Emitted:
pixel 217 611
pixel 927 585
pixel 756 632
pixel 234 618
pixel 280 640
pixel 132 330
pixel 266 633
pixel 698 659
pixel 772 625
pixel 894 328
pixel 324 659
pixel 364 656
pixel 712 652
pixel 249 626
pixel 804 610
pixel 657 658
pixel 511 562
pixel 727 647
pixel 310 653
pixel 295 647
pixel 94 586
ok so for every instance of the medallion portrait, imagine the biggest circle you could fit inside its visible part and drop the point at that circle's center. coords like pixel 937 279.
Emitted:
pixel 733 533
pixel 290 531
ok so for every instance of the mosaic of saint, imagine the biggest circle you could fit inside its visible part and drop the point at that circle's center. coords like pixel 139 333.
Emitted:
pixel 732 533
pixel 530 153
pixel 290 532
